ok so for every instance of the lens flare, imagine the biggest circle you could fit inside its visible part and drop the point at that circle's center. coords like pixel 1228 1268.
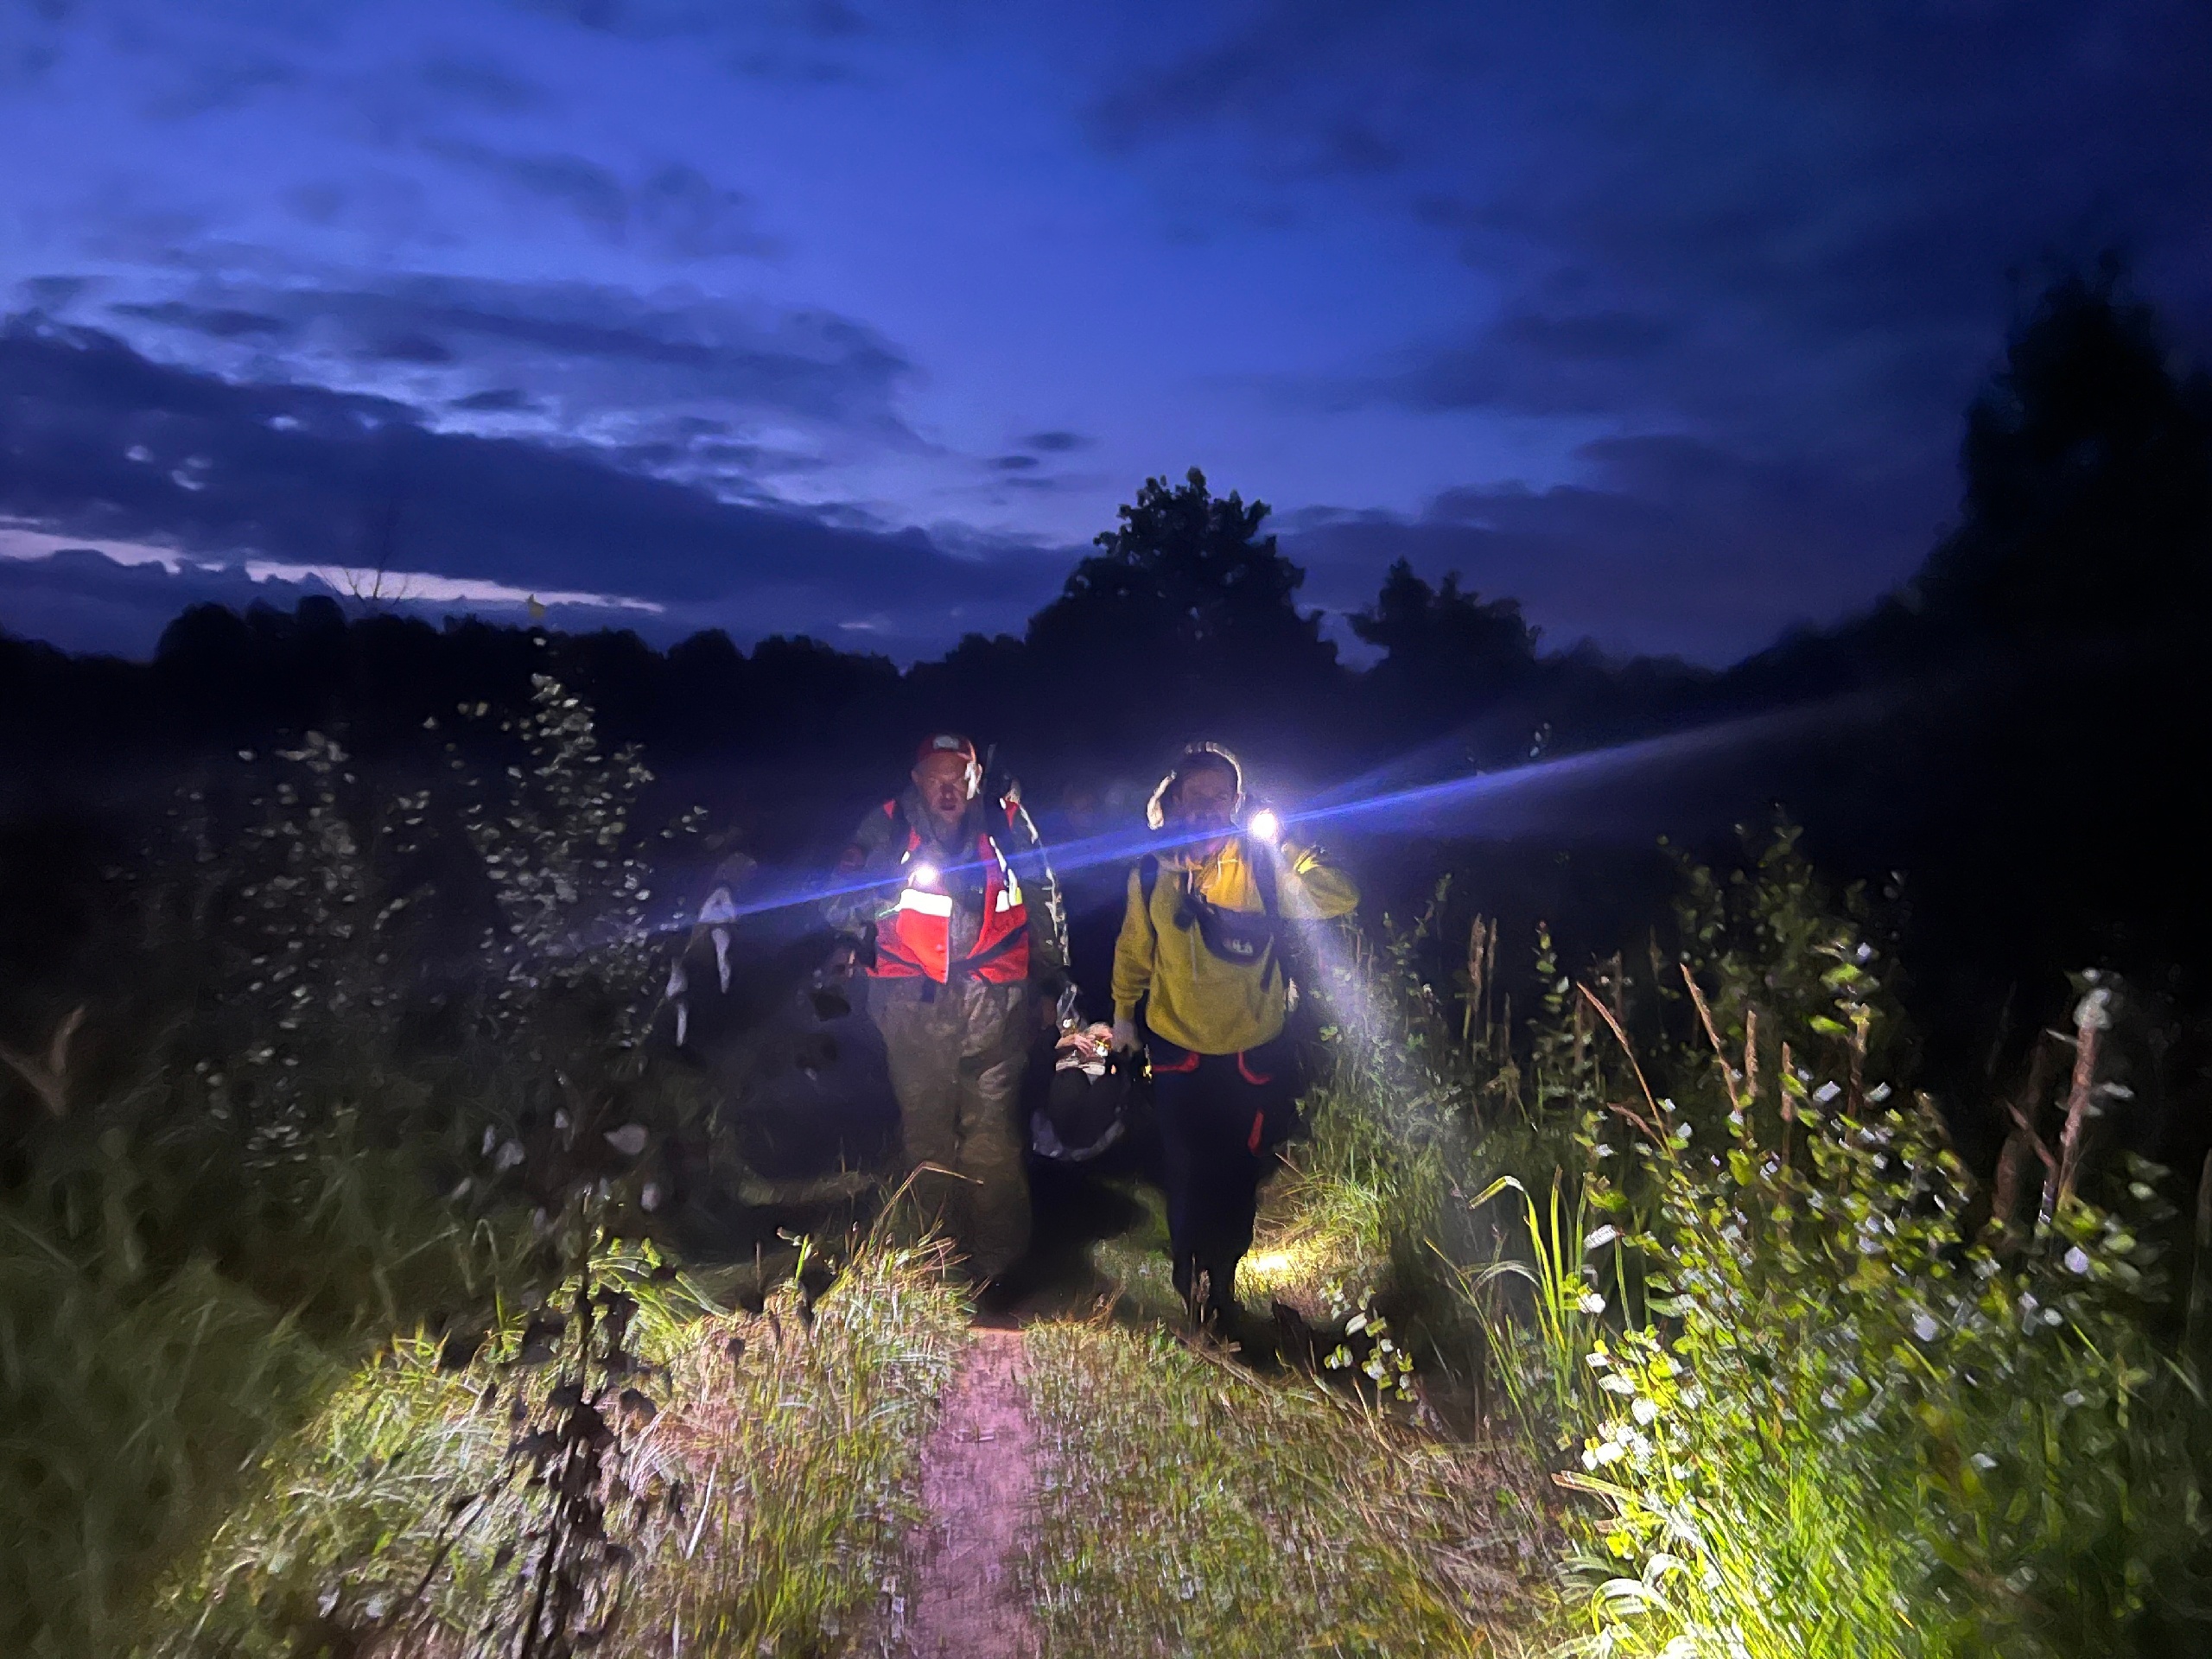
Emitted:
pixel 1547 795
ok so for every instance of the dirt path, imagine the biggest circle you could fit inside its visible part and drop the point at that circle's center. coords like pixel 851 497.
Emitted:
pixel 979 1482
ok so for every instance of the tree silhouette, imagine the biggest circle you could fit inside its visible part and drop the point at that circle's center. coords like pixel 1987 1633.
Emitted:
pixel 1448 654
pixel 2088 477
pixel 1188 602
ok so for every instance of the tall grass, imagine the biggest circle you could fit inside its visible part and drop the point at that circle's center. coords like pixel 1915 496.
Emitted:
pixel 166 1310
pixel 1539 1354
pixel 760 1488
pixel 255 1114
pixel 1813 1388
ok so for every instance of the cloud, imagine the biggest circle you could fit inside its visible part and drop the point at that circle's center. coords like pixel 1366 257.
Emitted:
pixel 1771 221
pixel 107 445
pixel 1537 363
pixel 217 322
pixel 500 400
pixel 673 211
pixel 482 83
pixel 1670 544
pixel 1056 443
pixel 791 41
pixel 672 380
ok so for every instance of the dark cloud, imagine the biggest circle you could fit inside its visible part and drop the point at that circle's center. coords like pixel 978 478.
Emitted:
pixel 55 293
pixel 590 192
pixel 827 20
pixel 1593 336
pixel 482 83
pixel 1538 363
pixel 100 442
pixel 409 348
pixel 211 85
pixel 586 352
pixel 1769 221
pixel 1673 540
pixel 686 215
pixel 795 42
pixel 500 400
pixel 635 19
pixel 674 210
pixel 217 322
pixel 1056 443
pixel 1014 463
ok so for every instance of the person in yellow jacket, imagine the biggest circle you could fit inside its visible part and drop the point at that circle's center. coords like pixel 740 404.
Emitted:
pixel 1200 963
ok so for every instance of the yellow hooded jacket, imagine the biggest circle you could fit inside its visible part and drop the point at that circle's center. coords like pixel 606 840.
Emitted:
pixel 1193 998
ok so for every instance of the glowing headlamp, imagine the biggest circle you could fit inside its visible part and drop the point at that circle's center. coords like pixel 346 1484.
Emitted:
pixel 922 875
pixel 1264 824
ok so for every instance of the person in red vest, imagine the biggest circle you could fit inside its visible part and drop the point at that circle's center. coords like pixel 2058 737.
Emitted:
pixel 957 917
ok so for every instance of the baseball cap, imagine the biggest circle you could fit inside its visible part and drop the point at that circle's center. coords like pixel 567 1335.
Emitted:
pixel 945 743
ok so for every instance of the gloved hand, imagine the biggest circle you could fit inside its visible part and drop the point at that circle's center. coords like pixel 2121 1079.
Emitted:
pixel 1126 1041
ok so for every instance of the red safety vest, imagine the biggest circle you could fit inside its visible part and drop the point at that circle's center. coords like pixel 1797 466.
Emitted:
pixel 915 940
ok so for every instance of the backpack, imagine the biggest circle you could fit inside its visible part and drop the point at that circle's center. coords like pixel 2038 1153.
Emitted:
pixel 1084 1107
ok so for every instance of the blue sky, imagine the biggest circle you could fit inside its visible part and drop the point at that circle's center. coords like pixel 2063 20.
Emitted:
pixel 861 319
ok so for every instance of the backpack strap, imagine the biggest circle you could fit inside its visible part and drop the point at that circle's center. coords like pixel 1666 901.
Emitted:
pixel 1147 879
pixel 1265 876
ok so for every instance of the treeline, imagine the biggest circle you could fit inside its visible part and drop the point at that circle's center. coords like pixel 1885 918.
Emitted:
pixel 1184 623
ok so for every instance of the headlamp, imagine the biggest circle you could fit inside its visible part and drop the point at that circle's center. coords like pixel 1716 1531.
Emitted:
pixel 922 875
pixel 1264 824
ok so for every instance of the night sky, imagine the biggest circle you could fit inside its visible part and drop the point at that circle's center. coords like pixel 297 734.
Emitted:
pixel 859 319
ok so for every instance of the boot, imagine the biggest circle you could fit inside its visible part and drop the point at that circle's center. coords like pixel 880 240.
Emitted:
pixel 1188 1289
pixel 1221 1293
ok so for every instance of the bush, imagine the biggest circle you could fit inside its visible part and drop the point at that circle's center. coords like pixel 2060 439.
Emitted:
pixel 1821 1391
pixel 263 1119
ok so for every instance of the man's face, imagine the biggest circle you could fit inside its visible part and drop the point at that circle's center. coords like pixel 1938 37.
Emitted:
pixel 1205 802
pixel 941 777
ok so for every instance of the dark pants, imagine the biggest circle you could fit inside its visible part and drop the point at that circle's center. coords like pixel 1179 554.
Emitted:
pixel 956 1054
pixel 1221 1118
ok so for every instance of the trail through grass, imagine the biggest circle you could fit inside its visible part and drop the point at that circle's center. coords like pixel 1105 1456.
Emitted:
pixel 876 1478
pixel 979 1488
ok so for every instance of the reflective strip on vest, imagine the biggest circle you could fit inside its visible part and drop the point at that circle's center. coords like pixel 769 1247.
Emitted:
pixel 914 941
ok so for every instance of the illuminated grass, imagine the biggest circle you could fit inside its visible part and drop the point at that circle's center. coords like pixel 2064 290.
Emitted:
pixel 1320 1246
pixel 776 1490
pixel 1189 1508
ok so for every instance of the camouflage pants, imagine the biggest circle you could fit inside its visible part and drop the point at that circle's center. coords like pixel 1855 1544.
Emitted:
pixel 957 1058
